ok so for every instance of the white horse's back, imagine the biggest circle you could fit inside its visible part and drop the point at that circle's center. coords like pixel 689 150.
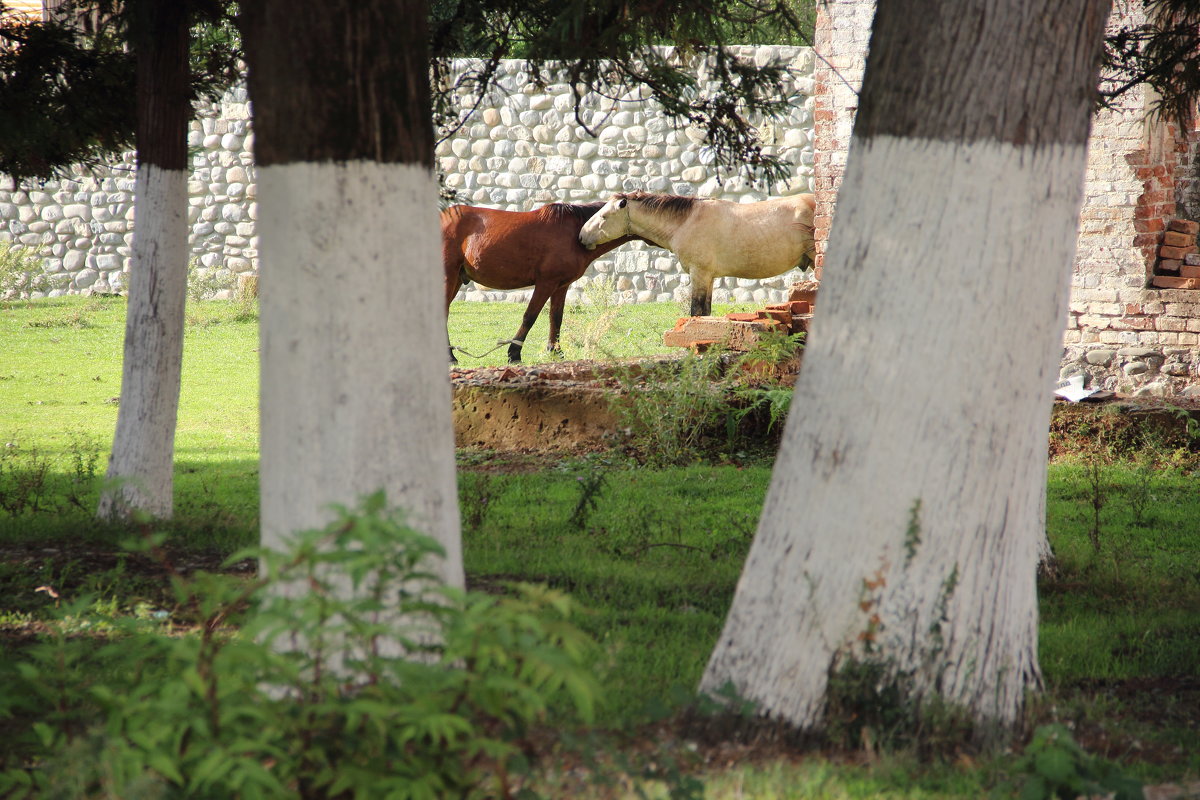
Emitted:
pixel 746 240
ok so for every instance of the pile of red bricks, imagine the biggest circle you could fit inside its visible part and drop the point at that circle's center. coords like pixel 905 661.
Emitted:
pixel 1178 259
pixel 741 330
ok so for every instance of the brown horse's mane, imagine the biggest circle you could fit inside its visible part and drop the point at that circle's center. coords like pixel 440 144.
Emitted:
pixel 558 212
pixel 675 205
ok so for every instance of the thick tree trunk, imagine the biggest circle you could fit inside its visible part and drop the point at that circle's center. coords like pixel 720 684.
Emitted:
pixel 904 516
pixel 355 394
pixel 142 463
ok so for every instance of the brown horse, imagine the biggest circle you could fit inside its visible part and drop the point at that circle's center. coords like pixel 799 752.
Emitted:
pixel 515 249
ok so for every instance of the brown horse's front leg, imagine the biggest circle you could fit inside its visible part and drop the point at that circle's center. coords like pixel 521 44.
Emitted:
pixel 541 293
pixel 558 302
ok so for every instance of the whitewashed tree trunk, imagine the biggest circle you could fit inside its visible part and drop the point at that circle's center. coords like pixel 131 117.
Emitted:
pixel 355 390
pixel 141 469
pixel 905 512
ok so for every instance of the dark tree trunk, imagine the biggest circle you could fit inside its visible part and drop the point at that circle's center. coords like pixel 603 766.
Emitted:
pixel 337 81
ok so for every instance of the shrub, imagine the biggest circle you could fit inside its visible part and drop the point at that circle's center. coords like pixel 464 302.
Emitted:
pixel 353 674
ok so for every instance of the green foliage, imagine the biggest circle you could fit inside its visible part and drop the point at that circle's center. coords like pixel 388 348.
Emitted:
pixel 772 351
pixel 1055 767
pixel 68 90
pixel 604 46
pixel 1156 52
pixel 352 673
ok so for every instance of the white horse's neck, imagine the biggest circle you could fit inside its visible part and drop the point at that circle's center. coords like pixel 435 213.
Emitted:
pixel 651 226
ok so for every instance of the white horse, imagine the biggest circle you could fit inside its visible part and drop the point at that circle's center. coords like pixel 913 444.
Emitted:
pixel 712 238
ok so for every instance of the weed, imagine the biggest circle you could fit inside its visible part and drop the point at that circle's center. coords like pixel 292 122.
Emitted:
pixel 21 273
pixel 24 473
pixel 77 318
pixel 205 283
pixel 591 487
pixel 476 497
pixel 597 303
pixel 30 479
pixel 669 409
pixel 1096 476
pixel 84 456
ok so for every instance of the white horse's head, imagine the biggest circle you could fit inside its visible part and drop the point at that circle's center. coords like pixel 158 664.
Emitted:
pixel 610 222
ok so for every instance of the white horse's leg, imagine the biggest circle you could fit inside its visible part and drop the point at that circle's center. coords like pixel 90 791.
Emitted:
pixel 701 293
pixel 701 290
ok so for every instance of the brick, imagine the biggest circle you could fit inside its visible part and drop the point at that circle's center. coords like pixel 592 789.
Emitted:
pixel 1177 239
pixel 781 316
pixel 1137 323
pixel 1169 282
pixel 748 316
pixel 701 332
pixel 1192 259
pixel 1184 226
pixel 1175 252
pixel 1169 265
pixel 1189 272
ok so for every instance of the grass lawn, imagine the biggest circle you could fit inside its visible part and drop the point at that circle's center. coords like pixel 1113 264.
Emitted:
pixel 653 560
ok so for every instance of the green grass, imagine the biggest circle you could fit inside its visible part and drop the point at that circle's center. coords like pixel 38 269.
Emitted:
pixel 592 330
pixel 654 560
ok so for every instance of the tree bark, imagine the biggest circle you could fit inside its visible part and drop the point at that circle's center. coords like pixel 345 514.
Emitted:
pixel 904 516
pixel 355 392
pixel 142 463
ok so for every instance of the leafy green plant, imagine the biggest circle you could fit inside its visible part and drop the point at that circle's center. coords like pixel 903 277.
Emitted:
pixel 1054 766
pixel 353 674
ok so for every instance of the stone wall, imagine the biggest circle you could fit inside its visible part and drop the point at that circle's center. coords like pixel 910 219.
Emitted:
pixel 522 149
pixel 82 225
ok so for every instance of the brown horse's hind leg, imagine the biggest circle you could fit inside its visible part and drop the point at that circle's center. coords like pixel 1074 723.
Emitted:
pixel 455 276
pixel 541 293
pixel 558 302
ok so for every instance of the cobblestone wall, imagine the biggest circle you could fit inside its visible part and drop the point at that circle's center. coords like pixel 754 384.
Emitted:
pixel 523 149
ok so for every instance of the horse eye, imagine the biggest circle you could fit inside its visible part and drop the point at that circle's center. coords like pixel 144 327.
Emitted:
pixel 622 203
